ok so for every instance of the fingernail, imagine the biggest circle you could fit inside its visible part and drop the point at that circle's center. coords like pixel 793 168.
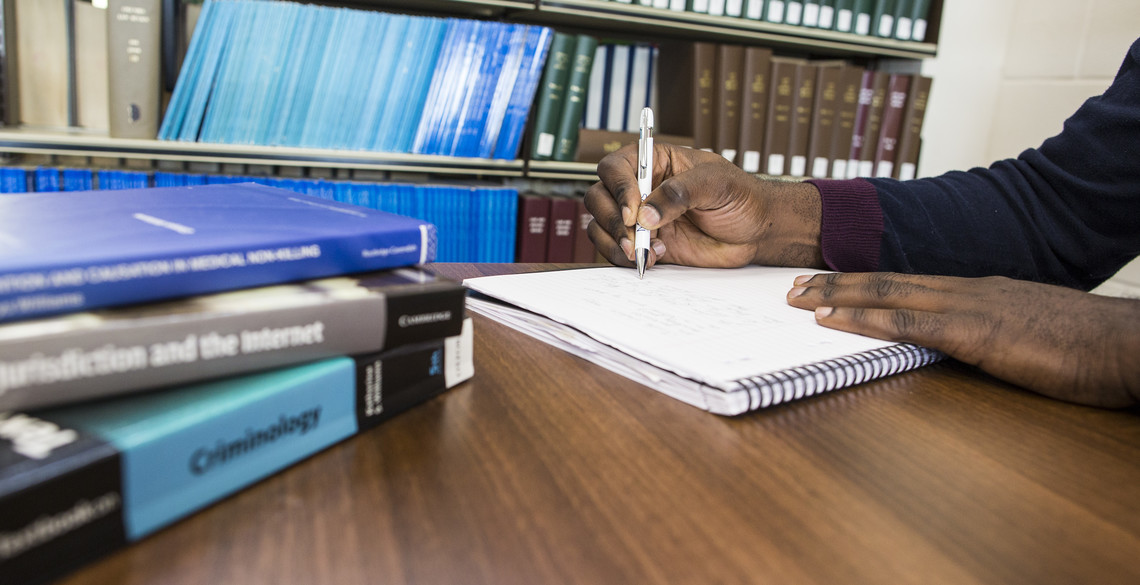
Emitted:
pixel 626 215
pixel 796 291
pixel 648 217
pixel 822 312
pixel 627 247
pixel 658 248
pixel 802 278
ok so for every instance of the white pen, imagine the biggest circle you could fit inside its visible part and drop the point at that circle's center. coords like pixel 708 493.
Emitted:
pixel 645 185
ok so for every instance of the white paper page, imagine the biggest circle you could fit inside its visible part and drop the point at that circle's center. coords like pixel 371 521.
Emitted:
pixel 715 326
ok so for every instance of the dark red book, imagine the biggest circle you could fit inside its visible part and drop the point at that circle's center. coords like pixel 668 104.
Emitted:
pixel 534 217
pixel 560 229
pixel 583 248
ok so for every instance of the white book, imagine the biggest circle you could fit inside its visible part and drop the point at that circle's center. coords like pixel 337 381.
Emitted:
pixel 724 340
pixel 619 83
pixel 595 96
pixel 639 79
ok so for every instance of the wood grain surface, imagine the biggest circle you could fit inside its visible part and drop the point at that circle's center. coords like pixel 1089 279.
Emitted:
pixel 547 469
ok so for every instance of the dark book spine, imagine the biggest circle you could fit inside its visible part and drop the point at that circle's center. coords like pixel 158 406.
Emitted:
pixel 803 97
pixel 551 93
pixel 911 133
pixel 862 116
pixel 754 106
pixel 886 152
pixel 844 129
pixel 139 351
pixel 534 217
pixel 583 247
pixel 560 230
pixel 874 124
pixel 778 128
pixel 727 96
pixel 573 105
pixel 134 31
pixel 827 99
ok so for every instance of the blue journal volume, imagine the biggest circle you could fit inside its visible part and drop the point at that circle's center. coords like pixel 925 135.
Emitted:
pixel 79 482
pixel 88 249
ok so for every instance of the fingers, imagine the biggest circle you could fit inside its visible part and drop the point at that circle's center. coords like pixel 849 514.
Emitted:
pixel 881 290
pixel 618 174
pixel 904 325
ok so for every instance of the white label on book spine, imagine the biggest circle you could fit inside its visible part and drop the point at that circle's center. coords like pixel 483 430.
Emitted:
pixel 852 169
pixel 863 24
pixel 716 7
pixel 886 26
pixel 903 29
pixel 811 15
pixel 677 5
pixel 755 10
pixel 701 6
pixel 663 4
pixel 799 166
pixel 729 154
pixel 795 13
pixel 826 16
pixel 545 144
pixel 751 162
pixel 839 169
pixel 885 169
pixel 844 22
pixel 919 33
pixel 734 7
pixel 457 351
pixel 775 11
pixel 776 164
pixel 819 167
pixel 866 167
pixel 906 171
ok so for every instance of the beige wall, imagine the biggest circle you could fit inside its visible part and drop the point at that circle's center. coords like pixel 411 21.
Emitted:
pixel 1009 72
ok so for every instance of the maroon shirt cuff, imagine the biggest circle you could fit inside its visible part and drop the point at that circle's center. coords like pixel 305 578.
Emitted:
pixel 852 224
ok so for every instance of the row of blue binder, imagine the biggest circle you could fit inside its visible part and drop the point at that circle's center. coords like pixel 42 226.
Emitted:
pixel 475 224
pixel 274 73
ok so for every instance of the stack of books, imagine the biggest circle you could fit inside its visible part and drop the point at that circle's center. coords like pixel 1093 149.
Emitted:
pixel 163 348
pixel 287 74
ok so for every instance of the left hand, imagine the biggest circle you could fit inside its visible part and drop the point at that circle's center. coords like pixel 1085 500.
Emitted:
pixel 1061 342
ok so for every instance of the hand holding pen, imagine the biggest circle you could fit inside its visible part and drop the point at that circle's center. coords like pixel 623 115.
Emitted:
pixel 645 186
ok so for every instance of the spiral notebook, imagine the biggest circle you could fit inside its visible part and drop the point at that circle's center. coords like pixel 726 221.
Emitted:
pixel 724 340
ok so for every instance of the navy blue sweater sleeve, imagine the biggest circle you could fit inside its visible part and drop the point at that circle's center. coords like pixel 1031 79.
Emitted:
pixel 1067 212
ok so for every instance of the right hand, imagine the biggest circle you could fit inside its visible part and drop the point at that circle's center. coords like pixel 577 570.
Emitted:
pixel 703 211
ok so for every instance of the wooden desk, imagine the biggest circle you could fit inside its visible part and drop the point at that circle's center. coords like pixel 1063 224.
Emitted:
pixel 547 469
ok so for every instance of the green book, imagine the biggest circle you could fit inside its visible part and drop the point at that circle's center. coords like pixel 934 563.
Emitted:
pixel 883 19
pixel 551 93
pixel 582 61
pixel 863 12
pixel 845 15
pixel 826 14
pixel 903 21
pixel 918 16
pixel 774 11
pixel 811 13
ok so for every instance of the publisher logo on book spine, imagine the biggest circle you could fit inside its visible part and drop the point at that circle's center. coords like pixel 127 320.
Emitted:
pixel 406 321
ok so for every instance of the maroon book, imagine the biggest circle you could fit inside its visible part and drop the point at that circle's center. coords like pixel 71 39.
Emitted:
pixel 560 229
pixel 534 217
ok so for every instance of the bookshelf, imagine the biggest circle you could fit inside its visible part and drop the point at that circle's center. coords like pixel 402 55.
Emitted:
pixel 599 17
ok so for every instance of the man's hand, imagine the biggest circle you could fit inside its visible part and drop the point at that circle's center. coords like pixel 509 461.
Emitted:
pixel 704 211
pixel 1061 342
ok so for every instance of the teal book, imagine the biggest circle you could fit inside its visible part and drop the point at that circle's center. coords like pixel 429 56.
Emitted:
pixel 80 482
pixel 574 103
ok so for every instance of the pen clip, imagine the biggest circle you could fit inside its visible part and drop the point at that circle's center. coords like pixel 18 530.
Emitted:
pixel 645 144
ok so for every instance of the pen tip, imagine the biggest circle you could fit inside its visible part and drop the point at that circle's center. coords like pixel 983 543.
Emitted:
pixel 642 260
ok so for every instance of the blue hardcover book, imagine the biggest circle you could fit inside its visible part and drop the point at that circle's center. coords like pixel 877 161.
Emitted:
pixel 500 96
pixel 47 179
pixel 77 179
pixel 74 251
pixel 514 121
pixel 380 67
pixel 414 103
pixel 77 483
